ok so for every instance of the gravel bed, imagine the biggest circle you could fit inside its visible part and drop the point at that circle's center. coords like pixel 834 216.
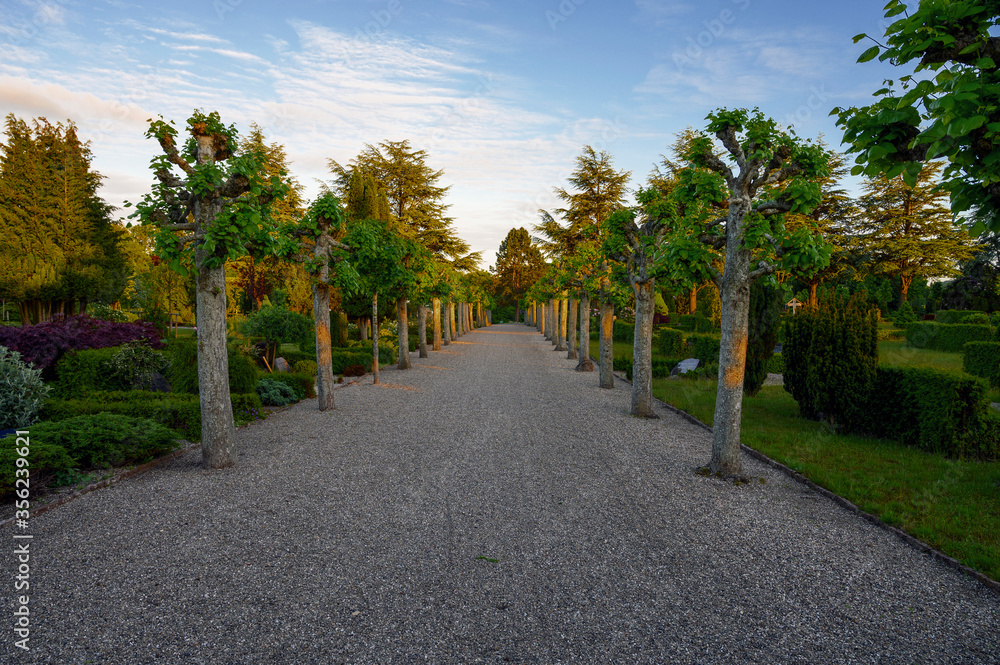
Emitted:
pixel 489 505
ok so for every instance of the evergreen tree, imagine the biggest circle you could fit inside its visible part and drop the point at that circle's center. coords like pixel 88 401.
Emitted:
pixel 519 265
pixel 765 322
pixel 907 231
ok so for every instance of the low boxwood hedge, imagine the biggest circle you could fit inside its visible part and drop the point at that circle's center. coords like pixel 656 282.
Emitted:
pixel 946 337
pixel 982 359
pixel 670 342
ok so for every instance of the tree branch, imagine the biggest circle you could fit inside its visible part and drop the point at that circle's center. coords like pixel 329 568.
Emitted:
pixel 764 268
pixel 773 207
pixel 729 140
pixel 167 143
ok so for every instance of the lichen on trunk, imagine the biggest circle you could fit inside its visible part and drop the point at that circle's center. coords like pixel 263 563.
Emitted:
pixel 642 354
pixel 403 334
pixel 584 364
pixel 324 366
pixel 571 341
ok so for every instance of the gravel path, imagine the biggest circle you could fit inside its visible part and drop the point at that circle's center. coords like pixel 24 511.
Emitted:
pixel 490 505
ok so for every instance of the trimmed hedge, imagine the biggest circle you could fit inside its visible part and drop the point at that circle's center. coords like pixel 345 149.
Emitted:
pixel 178 411
pixel 951 316
pixel 695 323
pixel 936 411
pixel 946 337
pixel 183 370
pixel 301 382
pixel 704 347
pixel 670 342
pixel 623 331
pixel 982 359
pixel 79 372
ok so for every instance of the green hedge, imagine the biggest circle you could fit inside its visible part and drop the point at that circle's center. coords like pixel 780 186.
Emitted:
pixel 292 357
pixel 178 411
pixel 950 316
pixel 301 382
pixel 936 411
pixel 80 372
pixel 183 370
pixel 776 365
pixel 623 331
pixel 670 342
pixel 704 347
pixel 946 337
pixel 695 323
pixel 982 359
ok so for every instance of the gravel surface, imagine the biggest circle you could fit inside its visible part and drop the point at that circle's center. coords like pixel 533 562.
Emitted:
pixel 489 505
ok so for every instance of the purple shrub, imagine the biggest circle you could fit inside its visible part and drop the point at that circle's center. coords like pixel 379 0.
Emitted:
pixel 43 344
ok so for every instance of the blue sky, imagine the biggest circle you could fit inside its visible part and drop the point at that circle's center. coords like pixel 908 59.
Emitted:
pixel 502 95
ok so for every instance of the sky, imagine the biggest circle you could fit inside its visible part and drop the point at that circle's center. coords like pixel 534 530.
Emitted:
pixel 502 95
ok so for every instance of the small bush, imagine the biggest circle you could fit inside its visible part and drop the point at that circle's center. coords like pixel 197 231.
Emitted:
pixel 695 323
pixel 107 313
pixel 704 347
pixel 669 342
pixel 354 370
pixel 977 318
pixel 301 384
pixel 247 408
pixel 21 391
pixel 982 359
pixel 80 372
pixel 295 357
pixel 46 463
pixel 623 331
pixel 951 316
pixel 276 393
pixel 946 337
pixel 305 367
pixel 904 315
pixel 133 364
pixel 776 365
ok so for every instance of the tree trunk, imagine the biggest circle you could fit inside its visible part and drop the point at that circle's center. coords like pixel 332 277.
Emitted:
pixel 218 445
pixel 607 351
pixel 436 304
pixel 642 354
pixel 561 332
pixel 517 312
pixel 455 333
pixel 732 360
pixel 324 367
pixel 693 300
pixel 422 329
pixel 905 281
pixel 574 306
pixel 585 364
pixel 363 328
pixel 375 337
pixel 446 324
pixel 813 298
pixel 403 331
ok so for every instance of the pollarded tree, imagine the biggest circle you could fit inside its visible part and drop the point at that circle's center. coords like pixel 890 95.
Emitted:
pixel 907 232
pixel 765 174
pixel 949 107
pixel 221 202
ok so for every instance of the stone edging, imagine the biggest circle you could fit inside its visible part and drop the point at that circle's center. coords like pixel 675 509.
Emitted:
pixel 915 543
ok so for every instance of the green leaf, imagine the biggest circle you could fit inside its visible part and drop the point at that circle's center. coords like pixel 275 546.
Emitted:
pixel 859 37
pixel 869 54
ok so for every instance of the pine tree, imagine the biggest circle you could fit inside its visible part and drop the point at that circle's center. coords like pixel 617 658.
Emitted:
pixel 519 265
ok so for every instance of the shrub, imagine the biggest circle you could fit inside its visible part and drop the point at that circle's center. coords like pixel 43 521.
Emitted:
pixel 133 364
pixel 80 372
pixel 47 462
pixel 276 325
pixel 182 372
pixel 21 391
pixel 670 342
pixel 247 408
pixel 302 384
pixel 354 370
pixel 107 313
pixel 936 411
pixel 623 331
pixel 977 318
pixel 764 324
pixel 695 323
pixel 904 315
pixel 704 347
pixel 982 359
pixel 946 337
pixel 952 316
pixel 295 357
pixel 831 356
pixel 43 344
pixel 776 365
pixel 305 367
pixel 275 393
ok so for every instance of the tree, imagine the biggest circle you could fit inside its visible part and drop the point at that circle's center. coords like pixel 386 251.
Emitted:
pixel 61 247
pixel 519 265
pixel 765 174
pixel 978 287
pixel 948 108
pixel 222 203
pixel 906 231
pixel 764 325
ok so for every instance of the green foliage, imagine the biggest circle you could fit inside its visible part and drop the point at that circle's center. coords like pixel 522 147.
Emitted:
pixel 982 359
pixel 47 462
pixel 764 324
pixel 21 391
pixel 946 337
pixel 695 323
pixel 182 373
pixel 80 372
pixel 278 325
pixel 301 383
pixel 247 408
pixel 305 367
pixel 704 347
pixel 134 364
pixel 977 318
pixel 831 355
pixel 948 107
pixel 179 412
pixel 107 313
pixel 904 315
pixel 954 315
pixel 670 342
pixel 276 393
pixel 623 331
pixel 354 370
pixel 936 411
pixel 776 364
